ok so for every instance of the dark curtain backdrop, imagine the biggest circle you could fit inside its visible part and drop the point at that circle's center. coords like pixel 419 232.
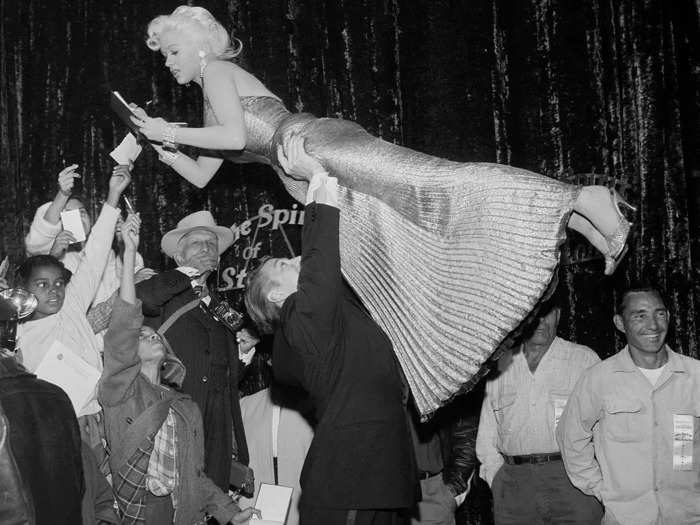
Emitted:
pixel 606 88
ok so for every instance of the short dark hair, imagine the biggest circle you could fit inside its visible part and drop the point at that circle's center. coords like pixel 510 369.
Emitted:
pixel 262 312
pixel 24 273
pixel 638 288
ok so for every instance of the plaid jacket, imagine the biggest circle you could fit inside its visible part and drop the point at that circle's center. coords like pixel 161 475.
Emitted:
pixel 129 484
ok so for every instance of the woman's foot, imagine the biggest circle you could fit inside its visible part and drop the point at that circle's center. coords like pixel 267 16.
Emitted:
pixel 582 225
pixel 601 207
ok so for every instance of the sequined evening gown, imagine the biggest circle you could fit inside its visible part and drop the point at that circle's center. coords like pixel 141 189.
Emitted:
pixel 448 257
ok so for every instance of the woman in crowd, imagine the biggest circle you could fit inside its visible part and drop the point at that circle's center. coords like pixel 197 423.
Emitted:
pixel 448 257
pixel 63 300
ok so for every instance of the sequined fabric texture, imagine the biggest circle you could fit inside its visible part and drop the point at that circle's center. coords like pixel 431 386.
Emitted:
pixel 448 257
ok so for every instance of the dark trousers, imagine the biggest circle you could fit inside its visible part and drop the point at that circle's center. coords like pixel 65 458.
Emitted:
pixel 541 493
pixel 318 516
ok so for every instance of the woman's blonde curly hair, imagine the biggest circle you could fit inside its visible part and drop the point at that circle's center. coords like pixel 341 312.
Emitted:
pixel 201 24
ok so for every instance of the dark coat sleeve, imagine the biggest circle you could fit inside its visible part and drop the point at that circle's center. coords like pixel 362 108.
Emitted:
pixel 312 315
pixel 160 289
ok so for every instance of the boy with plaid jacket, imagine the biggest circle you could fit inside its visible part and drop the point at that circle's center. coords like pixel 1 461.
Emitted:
pixel 154 433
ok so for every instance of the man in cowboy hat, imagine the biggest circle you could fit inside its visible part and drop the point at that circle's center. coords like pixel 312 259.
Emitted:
pixel 178 304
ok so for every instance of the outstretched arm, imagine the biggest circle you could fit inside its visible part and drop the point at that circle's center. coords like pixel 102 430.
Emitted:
pixel 319 286
pixel 198 172
pixel 46 225
pixel 121 362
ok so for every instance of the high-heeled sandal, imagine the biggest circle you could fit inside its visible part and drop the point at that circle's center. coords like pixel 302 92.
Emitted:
pixel 617 240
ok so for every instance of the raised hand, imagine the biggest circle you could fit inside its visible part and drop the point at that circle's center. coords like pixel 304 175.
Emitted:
pixel 120 179
pixel 295 161
pixel 131 233
pixel 66 179
pixel 61 243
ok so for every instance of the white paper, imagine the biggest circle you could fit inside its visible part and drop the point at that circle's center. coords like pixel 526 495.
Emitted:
pixel 73 223
pixel 63 367
pixel 683 433
pixel 127 151
pixel 273 503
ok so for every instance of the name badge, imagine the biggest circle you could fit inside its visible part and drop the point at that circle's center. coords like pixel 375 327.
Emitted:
pixel 683 441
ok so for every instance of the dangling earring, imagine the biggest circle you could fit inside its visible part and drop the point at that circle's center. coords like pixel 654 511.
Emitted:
pixel 202 63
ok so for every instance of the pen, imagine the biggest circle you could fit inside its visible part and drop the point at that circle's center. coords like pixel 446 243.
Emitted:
pixel 129 207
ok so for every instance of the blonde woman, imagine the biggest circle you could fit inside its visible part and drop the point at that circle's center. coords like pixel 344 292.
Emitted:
pixel 448 257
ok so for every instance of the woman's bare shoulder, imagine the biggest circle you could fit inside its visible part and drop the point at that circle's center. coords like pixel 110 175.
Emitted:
pixel 246 83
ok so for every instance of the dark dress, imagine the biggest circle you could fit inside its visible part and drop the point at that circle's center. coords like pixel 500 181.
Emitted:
pixel 448 257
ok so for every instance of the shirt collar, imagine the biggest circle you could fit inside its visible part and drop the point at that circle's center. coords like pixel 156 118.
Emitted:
pixel 622 361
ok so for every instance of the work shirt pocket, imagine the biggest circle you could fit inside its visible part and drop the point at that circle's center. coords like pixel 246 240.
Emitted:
pixel 624 420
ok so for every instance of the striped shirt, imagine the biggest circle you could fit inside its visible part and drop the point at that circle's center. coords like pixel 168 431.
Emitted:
pixel 520 408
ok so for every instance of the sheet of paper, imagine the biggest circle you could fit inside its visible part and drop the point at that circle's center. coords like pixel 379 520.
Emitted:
pixel 72 222
pixel 273 503
pixel 63 367
pixel 127 151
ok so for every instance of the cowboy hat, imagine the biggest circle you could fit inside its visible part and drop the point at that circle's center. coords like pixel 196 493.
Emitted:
pixel 199 220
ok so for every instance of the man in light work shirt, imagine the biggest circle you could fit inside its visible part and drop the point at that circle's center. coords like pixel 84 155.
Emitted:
pixel 629 434
pixel 516 441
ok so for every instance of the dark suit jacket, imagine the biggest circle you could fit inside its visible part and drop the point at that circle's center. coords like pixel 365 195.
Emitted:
pixel 326 342
pixel 210 355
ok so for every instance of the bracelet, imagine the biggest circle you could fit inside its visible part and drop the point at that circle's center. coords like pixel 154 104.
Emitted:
pixel 169 141
pixel 169 157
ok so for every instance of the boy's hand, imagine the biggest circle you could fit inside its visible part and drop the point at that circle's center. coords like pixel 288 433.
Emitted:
pixel 61 243
pixel 131 233
pixel 66 179
pixel 120 179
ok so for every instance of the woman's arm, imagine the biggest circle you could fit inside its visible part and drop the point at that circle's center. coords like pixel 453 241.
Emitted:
pixel 228 133
pixel 198 172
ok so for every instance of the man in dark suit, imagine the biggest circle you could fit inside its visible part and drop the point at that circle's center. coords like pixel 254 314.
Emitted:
pixel 360 467
pixel 179 305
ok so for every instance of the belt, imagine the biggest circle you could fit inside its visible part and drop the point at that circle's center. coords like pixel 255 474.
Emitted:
pixel 532 458
pixel 426 474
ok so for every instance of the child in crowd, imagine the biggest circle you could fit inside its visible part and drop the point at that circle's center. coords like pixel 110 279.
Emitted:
pixel 155 434
pixel 47 237
pixel 63 300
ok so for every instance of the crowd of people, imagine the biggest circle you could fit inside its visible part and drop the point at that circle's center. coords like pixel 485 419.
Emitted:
pixel 119 393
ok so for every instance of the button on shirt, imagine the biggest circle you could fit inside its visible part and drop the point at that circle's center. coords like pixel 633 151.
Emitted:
pixel 617 440
pixel 519 409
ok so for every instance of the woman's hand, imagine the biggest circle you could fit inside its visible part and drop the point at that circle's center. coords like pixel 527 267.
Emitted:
pixel 130 232
pixel 66 179
pixel 152 128
pixel 295 161
pixel 243 517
